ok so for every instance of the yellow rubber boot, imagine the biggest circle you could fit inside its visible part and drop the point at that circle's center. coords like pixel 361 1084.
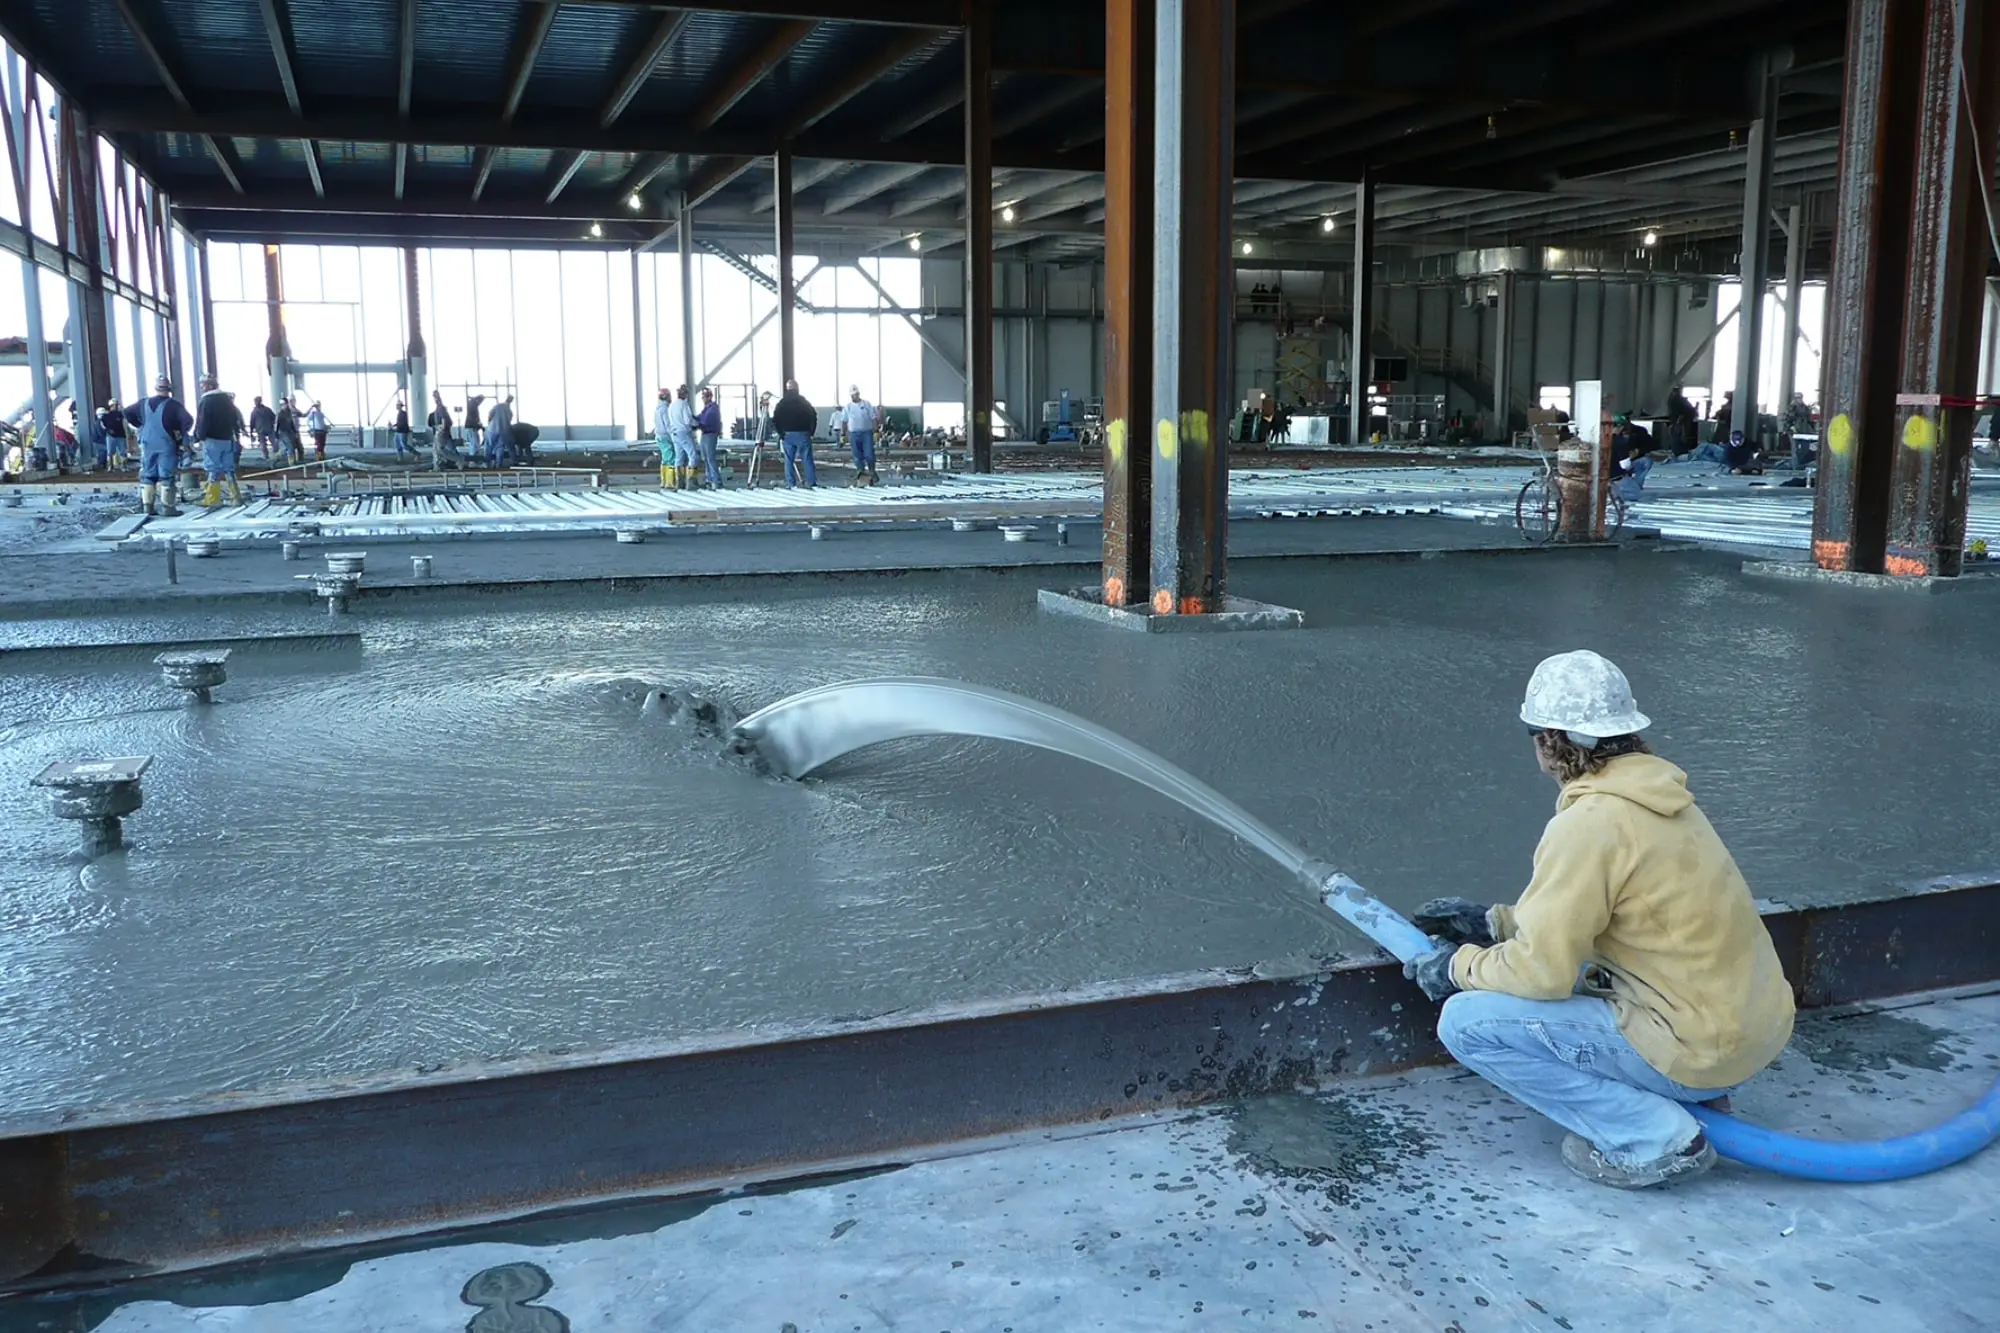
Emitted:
pixel 666 483
pixel 211 495
pixel 235 493
pixel 148 497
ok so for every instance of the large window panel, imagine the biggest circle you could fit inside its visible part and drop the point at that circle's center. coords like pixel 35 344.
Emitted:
pixel 493 276
pixel 587 355
pixel 624 390
pixel 538 333
pixel 452 333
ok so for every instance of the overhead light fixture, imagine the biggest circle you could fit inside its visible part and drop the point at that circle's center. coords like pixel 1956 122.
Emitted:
pixel 1650 239
pixel 1246 247
pixel 917 241
pixel 1326 224
pixel 1007 213
pixel 596 229
pixel 635 203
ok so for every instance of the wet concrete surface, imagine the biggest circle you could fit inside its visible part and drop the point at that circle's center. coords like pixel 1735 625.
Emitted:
pixel 461 840
pixel 1409 1205
pixel 95 579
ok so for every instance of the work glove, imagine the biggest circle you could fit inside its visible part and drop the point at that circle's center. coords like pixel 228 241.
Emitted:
pixel 1432 972
pixel 1454 920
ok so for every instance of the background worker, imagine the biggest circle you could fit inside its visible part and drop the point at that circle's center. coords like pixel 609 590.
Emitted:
pixel 317 426
pixel 795 420
pixel 263 426
pixel 291 444
pixel 663 437
pixel 162 422
pixel 1634 976
pixel 500 432
pixel 117 436
pixel 399 429
pixel 861 419
pixel 680 431
pixel 708 428
pixel 444 450
pixel 217 424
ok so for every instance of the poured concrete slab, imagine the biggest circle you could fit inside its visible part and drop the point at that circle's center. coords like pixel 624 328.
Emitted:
pixel 1409 1205
pixel 1975 577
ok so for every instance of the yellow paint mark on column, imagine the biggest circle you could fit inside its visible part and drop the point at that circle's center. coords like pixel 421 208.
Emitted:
pixel 1920 433
pixel 1840 435
pixel 1169 443
pixel 1194 428
pixel 1114 440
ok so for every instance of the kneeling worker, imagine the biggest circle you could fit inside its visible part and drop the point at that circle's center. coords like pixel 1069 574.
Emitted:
pixel 1634 976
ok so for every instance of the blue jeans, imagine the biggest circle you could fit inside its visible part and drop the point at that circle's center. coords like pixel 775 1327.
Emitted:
pixel 157 464
pixel 402 439
pixel 799 454
pixel 686 454
pixel 709 461
pixel 1707 453
pixel 218 458
pixel 1568 1060
pixel 1632 484
pixel 863 442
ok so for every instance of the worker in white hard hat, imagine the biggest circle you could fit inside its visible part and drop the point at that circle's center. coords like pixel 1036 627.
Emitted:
pixel 1634 977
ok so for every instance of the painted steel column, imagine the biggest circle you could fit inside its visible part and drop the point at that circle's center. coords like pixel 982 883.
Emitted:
pixel 1756 271
pixel 1937 392
pixel 1989 373
pixel 781 213
pixel 41 400
pixel 1193 282
pixel 1128 306
pixel 198 307
pixel 209 358
pixel 979 237
pixel 417 355
pixel 1503 359
pixel 1361 346
pixel 1865 296
pixel 684 234
pixel 1795 272
pixel 644 428
pixel 171 354
pixel 277 349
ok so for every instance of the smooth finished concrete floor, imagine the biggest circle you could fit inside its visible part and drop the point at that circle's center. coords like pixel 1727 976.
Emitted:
pixel 73 582
pixel 1408 1205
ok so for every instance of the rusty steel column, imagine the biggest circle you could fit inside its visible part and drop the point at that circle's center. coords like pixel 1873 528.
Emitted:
pixel 207 309
pixel 1361 346
pixel 979 237
pixel 1865 296
pixel 1193 282
pixel 781 212
pixel 1950 249
pixel 80 190
pixel 416 355
pixel 1128 305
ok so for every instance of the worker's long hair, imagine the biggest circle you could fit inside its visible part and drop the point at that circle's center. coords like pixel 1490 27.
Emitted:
pixel 1566 761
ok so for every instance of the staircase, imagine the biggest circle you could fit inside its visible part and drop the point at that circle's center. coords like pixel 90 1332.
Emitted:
pixel 755 274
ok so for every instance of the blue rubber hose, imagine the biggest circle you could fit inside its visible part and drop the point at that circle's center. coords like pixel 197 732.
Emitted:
pixel 1740 1141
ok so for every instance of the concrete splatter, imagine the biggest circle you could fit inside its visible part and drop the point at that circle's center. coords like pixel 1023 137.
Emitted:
pixel 1873 1043
pixel 1330 1144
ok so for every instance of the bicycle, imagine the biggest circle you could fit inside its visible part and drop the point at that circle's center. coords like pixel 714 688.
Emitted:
pixel 1539 505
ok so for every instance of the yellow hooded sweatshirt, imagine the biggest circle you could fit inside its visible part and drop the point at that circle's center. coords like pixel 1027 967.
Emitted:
pixel 1631 880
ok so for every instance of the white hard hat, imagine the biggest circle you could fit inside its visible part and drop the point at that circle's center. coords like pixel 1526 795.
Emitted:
pixel 1583 694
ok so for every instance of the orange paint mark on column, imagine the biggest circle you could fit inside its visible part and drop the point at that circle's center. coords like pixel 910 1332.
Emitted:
pixel 1903 566
pixel 1163 602
pixel 1114 592
pixel 1830 554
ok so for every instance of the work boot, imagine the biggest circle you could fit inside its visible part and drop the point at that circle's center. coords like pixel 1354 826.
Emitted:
pixel 146 498
pixel 666 482
pixel 211 495
pixel 235 493
pixel 1586 1161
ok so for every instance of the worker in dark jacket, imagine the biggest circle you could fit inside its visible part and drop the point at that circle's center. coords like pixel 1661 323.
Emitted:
pixel 263 426
pixel 795 420
pixel 217 424
pixel 162 422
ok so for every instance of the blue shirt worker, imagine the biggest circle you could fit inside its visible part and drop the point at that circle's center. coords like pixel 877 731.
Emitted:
pixel 708 427
pixel 162 421
pixel 663 435
pixel 680 430
pixel 860 418
pixel 217 423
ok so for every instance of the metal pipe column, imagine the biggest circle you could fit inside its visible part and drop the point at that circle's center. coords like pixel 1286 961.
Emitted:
pixel 644 428
pixel 416 354
pixel 1989 373
pixel 1131 35
pixel 979 237
pixel 1756 260
pixel 1194 155
pixel 89 304
pixel 1958 115
pixel 209 358
pixel 1361 346
pixel 1795 272
pixel 781 212
pixel 1503 358
pixel 277 349
pixel 1865 295
pixel 198 307
pixel 684 236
